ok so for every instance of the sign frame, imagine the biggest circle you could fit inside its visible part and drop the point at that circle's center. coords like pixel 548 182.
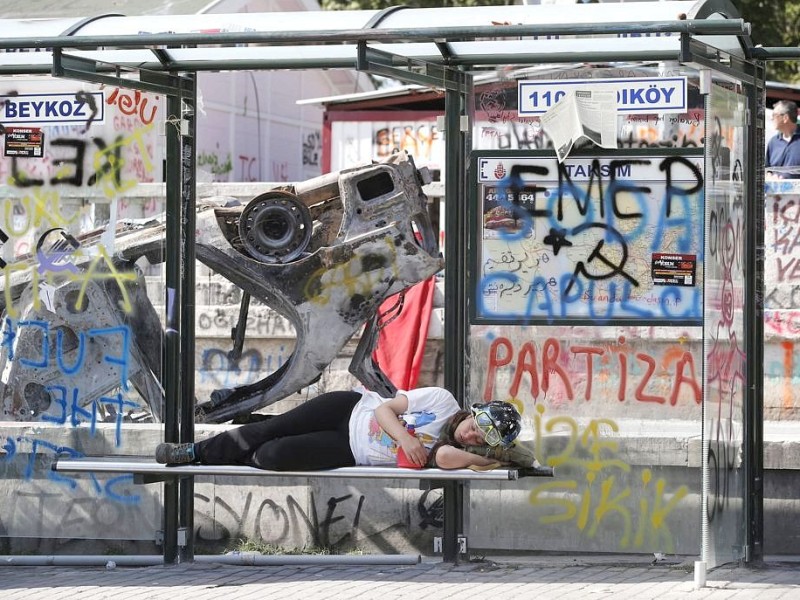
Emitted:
pixel 635 95
pixel 53 108
pixel 688 299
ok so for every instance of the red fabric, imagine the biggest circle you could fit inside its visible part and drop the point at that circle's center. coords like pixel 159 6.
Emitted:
pixel 401 344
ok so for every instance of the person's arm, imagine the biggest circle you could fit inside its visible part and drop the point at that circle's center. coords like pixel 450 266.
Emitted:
pixel 386 415
pixel 518 454
pixel 449 457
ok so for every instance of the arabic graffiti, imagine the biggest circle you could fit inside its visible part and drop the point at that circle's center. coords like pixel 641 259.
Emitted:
pixel 578 239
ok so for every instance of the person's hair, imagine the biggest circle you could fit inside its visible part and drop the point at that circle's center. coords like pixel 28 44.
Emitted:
pixel 786 107
pixel 447 437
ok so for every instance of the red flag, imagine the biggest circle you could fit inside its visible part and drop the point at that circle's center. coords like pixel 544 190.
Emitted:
pixel 401 343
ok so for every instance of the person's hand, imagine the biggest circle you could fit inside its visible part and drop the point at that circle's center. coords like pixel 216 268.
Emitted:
pixel 415 451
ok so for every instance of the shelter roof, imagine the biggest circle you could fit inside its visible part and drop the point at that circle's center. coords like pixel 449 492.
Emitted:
pixel 397 38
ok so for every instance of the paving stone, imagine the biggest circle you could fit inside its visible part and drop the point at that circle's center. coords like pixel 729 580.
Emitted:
pixel 567 579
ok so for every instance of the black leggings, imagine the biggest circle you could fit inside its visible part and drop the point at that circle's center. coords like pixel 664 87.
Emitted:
pixel 314 435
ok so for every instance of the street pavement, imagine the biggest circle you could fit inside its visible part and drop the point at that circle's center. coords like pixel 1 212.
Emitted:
pixel 512 578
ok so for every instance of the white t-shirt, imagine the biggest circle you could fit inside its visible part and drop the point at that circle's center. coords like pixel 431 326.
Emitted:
pixel 428 408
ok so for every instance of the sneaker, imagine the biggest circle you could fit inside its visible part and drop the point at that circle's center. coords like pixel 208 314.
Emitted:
pixel 175 454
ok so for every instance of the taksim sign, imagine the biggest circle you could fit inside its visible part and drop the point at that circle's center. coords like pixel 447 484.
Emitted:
pixel 51 109
pixel 634 95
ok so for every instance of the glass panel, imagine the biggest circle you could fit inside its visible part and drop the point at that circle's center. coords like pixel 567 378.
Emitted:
pixel 80 353
pixel 613 410
pixel 499 127
pixel 604 237
pixel 724 358
pixel 612 398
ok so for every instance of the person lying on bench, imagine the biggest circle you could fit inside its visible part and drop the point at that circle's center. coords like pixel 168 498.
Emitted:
pixel 348 428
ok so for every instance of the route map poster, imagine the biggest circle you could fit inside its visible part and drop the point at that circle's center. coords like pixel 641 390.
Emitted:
pixel 577 241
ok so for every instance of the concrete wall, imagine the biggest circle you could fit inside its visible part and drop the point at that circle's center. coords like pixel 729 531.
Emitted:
pixel 44 512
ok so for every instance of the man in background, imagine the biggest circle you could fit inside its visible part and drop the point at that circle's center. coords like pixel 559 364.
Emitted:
pixel 783 149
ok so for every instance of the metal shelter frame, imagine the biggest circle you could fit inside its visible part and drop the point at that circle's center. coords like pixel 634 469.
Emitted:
pixel 442 57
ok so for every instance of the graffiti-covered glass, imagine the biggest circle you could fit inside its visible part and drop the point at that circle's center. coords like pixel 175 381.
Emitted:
pixel 586 308
pixel 724 352
pixel 81 174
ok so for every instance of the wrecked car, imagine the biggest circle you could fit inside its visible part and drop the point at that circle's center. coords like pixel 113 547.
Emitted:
pixel 324 254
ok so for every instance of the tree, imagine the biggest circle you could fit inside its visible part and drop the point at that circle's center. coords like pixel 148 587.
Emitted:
pixel 775 23
pixel 381 4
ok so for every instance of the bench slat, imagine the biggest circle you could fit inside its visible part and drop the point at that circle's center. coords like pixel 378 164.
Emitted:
pixel 147 466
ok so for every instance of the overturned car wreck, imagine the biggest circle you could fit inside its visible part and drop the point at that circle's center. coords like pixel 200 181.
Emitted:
pixel 324 254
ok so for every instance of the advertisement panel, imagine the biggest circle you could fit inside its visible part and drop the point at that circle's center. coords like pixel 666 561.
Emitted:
pixel 611 237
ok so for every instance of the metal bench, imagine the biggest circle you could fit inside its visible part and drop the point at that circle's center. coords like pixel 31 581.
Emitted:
pixel 146 470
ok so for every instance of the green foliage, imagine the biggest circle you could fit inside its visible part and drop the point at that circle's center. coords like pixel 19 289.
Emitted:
pixel 775 23
pixel 249 545
pixel 261 547
pixel 380 4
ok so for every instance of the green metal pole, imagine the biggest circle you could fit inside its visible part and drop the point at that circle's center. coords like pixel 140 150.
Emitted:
pixel 172 371
pixel 188 162
pixel 458 104
pixel 754 321
pixel 455 198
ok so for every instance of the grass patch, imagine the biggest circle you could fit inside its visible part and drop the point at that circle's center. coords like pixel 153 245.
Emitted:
pixel 249 545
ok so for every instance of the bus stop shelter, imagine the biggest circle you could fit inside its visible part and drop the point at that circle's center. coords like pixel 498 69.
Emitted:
pixel 700 255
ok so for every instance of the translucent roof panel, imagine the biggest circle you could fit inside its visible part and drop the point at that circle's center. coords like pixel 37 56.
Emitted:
pixel 230 23
pixel 410 18
pixel 543 50
pixel 625 12
pixel 82 8
pixel 35 28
